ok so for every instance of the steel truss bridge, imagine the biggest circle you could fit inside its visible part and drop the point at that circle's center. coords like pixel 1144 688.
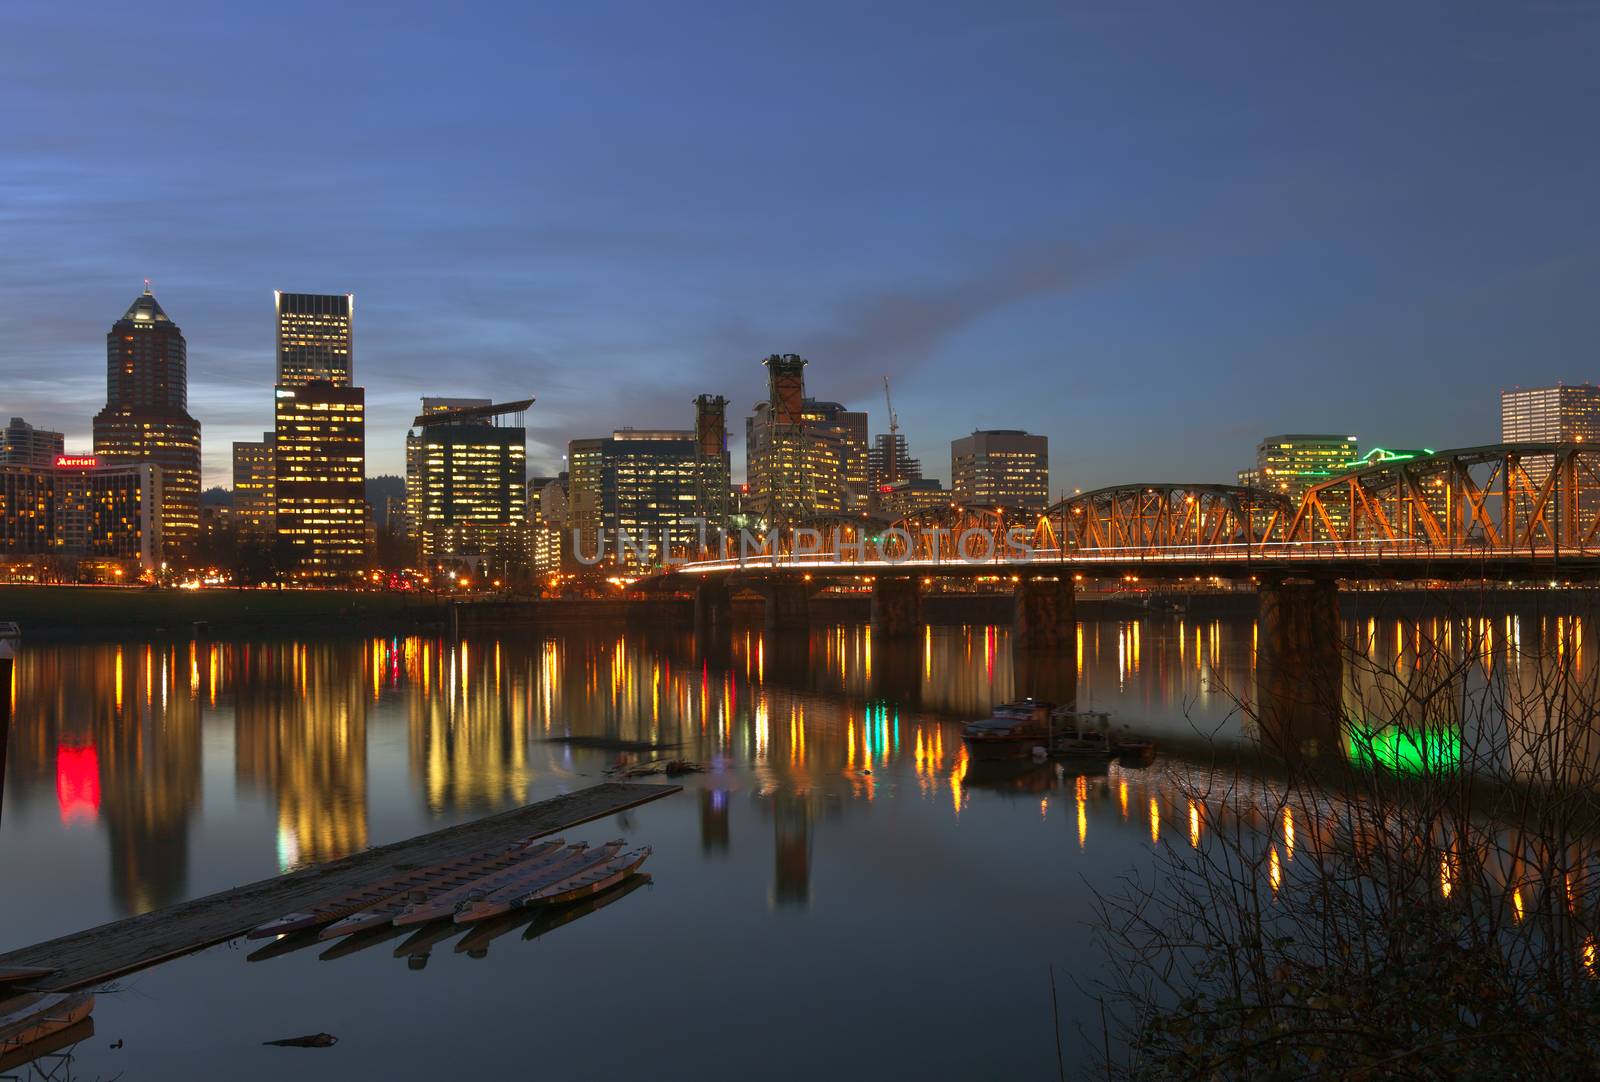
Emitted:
pixel 1503 511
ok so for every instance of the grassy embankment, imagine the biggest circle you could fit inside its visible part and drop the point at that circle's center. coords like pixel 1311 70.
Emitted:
pixel 91 611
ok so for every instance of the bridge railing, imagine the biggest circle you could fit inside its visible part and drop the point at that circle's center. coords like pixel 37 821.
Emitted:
pixel 1408 552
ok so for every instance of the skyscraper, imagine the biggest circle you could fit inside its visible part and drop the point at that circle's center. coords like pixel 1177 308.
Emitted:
pixel 1002 467
pixel 640 483
pixel 315 338
pixel 414 462
pixel 472 481
pixel 320 435
pixel 848 428
pixel 254 492
pixel 29 446
pixel 146 417
pixel 1559 414
pixel 319 469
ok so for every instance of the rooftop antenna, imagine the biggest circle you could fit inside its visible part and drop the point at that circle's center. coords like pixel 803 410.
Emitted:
pixel 147 287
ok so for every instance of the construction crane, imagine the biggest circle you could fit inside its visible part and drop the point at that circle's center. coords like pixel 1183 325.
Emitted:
pixel 889 474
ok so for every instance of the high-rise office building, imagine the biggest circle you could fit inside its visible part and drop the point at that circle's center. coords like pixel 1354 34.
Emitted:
pixel 319 469
pixel 146 417
pixel 315 338
pixel 319 452
pixel 28 446
pixel 1003 467
pixel 641 484
pixel 254 490
pixel 1560 414
pixel 472 480
pixel 803 458
pixel 414 464
pixel 847 429
pixel 1291 463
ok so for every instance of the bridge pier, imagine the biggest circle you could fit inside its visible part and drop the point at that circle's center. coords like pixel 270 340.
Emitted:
pixel 788 605
pixel 1045 617
pixel 896 607
pixel 713 606
pixel 1299 666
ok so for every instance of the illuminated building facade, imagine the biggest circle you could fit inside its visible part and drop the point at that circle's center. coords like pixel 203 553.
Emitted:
pixel 315 338
pixel 641 483
pixel 414 464
pixel 146 417
pixel 909 497
pixel 547 519
pixel 1001 468
pixel 28 446
pixel 1292 463
pixel 846 431
pixel 472 481
pixel 319 470
pixel 1559 414
pixel 254 493
pixel 82 508
pixel 803 457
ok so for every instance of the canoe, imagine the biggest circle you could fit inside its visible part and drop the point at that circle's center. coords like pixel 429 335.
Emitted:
pixel 443 906
pixel 492 904
pixel 80 1030
pixel 23 974
pixel 35 1016
pixel 393 905
pixel 590 882
pixel 539 922
pixel 343 905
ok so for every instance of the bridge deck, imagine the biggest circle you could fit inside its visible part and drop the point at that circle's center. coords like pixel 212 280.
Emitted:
pixel 111 950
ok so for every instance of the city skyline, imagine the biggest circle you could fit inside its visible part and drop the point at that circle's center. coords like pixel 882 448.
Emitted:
pixel 1408 200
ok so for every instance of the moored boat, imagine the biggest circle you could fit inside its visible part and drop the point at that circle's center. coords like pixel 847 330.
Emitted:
pixel 509 896
pixel 444 906
pixel 1013 728
pixel 36 1016
pixel 397 905
pixel 590 882
pixel 339 906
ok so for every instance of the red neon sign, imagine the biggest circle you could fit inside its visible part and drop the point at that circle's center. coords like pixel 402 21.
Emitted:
pixel 77 462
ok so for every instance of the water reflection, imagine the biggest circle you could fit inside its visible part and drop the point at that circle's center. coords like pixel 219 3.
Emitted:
pixel 116 738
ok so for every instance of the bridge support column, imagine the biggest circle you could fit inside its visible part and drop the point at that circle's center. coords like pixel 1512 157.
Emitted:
pixel 713 606
pixel 1299 667
pixel 896 607
pixel 1045 616
pixel 788 606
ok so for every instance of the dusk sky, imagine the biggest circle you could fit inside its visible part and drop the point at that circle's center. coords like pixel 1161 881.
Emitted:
pixel 1152 234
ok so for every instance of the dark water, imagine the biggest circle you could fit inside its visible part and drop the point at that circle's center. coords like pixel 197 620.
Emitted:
pixel 843 893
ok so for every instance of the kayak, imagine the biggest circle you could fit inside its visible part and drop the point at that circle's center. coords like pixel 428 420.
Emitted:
pixel 493 903
pixel 443 906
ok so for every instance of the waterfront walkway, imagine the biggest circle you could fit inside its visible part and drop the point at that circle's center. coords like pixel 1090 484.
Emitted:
pixel 111 950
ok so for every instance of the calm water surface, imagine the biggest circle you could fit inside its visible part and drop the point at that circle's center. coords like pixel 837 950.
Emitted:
pixel 842 892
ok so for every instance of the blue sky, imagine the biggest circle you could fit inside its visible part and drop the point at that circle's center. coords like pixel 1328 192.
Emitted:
pixel 1153 232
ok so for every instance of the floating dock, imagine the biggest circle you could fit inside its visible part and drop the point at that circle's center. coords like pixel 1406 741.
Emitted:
pixel 99 954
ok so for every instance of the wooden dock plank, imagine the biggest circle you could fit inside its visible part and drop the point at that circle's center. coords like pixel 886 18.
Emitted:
pixel 123 946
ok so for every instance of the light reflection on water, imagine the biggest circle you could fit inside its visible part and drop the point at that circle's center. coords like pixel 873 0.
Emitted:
pixel 141 773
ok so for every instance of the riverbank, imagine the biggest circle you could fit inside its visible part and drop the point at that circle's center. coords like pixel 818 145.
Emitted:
pixel 95 612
